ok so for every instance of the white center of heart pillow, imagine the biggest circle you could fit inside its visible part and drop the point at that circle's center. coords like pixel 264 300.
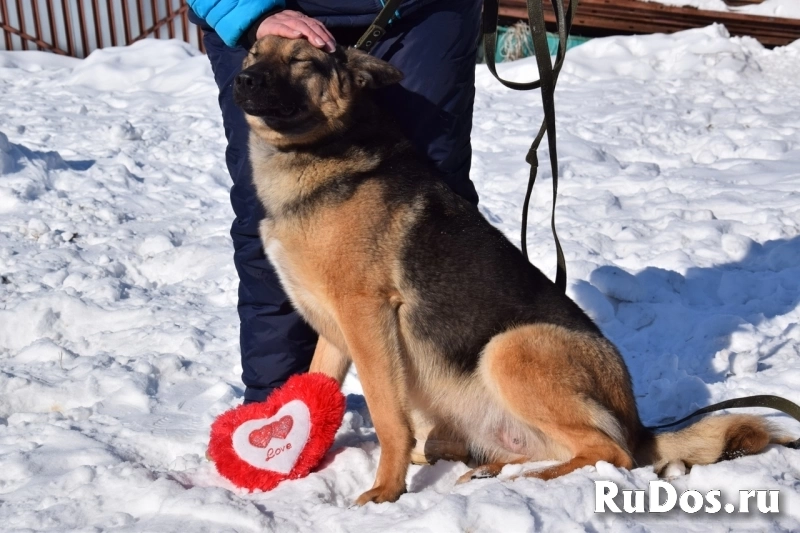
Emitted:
pixel 279 439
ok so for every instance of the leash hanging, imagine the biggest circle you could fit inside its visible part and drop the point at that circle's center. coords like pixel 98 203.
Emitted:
pixel 548 75
pixel 377 29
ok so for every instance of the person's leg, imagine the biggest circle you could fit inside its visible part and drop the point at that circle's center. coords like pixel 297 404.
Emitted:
pixel 276 343
pixel 436 49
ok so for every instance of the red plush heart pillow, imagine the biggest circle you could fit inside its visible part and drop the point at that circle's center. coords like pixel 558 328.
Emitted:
pixel 257 446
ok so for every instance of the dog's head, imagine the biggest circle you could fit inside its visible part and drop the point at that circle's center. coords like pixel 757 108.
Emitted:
pixel 294 94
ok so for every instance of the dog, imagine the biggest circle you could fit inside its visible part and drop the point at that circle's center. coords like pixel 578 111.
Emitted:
pixel 443 317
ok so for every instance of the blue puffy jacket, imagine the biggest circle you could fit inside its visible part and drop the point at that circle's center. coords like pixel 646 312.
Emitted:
pixel 231 19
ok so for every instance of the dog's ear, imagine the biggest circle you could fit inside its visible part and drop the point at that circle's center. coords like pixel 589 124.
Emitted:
pixel 370 72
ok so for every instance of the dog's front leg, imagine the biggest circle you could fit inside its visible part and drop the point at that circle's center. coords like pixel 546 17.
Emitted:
pixel 330 360
pixel 371 333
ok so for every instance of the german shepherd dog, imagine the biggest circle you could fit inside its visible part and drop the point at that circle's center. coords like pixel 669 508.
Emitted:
pixel 439 312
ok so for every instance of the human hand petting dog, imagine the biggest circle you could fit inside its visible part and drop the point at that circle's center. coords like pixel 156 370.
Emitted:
pixel 295 25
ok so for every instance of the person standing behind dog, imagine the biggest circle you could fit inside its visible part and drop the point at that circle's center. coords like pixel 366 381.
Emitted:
pixel 433 42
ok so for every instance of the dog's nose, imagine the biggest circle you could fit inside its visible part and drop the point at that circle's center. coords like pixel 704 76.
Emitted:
pixel 248 79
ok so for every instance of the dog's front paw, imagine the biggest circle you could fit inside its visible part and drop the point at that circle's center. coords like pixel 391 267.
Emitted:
pixel 380 495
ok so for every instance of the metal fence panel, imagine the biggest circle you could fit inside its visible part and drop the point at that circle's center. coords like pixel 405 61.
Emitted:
pixel 77 27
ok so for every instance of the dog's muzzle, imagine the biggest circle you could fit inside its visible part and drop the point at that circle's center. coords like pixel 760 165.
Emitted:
pixel 255 93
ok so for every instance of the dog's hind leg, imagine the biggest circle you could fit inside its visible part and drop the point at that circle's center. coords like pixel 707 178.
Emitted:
pixel 563 385
pixel 590 446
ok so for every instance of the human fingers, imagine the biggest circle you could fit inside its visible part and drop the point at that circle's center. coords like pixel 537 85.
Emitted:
pixel 294 25
pixel 316 32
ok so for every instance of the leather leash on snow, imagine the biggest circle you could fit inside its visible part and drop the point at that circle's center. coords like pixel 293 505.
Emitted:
pixel 548 75
pixel 762 400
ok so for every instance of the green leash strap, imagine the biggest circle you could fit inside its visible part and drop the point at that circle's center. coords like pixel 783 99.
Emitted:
pixel 548 75
pixel 378 27
pixel 762 400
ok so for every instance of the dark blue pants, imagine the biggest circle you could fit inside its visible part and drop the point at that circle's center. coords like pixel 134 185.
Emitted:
pixel 435 46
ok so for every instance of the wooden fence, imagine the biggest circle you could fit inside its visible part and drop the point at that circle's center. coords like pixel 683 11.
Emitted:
pixel 598 18
pixel 76 27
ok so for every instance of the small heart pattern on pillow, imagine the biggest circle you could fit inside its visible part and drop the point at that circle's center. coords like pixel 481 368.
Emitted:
pixel 280 429
pixel 256 446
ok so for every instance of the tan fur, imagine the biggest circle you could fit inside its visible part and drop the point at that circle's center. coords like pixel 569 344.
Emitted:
pixel 282 178
pixel 540 392
pixel 330 361
pixel 710 440
pixel 548 363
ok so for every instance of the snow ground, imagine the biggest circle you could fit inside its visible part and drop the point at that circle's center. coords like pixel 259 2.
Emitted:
pixel 679 212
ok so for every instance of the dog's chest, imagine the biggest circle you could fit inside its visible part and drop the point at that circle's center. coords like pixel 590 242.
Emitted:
pixel 285 264
pixel 279 259
pixel 299 276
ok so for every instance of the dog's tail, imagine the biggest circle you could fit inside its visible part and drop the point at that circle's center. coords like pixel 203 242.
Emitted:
pixel 712 439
